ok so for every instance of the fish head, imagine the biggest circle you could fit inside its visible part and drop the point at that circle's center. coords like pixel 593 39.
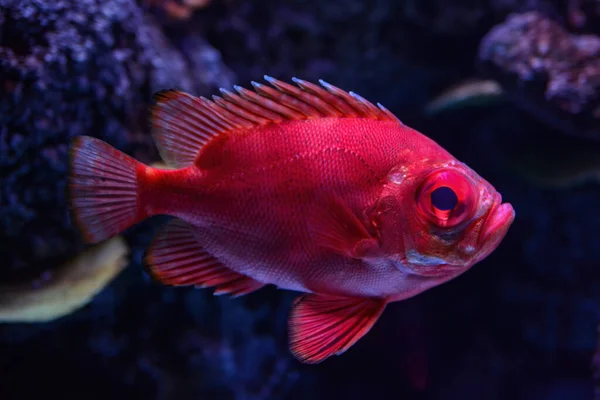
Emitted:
pixel 439 217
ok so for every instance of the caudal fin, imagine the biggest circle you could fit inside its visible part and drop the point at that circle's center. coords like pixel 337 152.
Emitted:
pixel 103 185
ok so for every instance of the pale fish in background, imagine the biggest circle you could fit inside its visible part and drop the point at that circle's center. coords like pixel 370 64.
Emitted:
pixel 470 93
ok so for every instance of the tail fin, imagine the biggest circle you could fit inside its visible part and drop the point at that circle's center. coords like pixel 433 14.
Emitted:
pixel 103 186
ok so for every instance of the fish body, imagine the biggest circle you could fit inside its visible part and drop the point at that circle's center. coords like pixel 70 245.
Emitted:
pixel 250 209
pixel 308 188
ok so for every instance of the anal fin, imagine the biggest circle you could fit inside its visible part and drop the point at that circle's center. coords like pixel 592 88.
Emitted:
pixel 175 257
pixel 321 326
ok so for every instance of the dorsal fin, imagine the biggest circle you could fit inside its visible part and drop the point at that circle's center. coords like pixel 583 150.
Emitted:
pixel 182 124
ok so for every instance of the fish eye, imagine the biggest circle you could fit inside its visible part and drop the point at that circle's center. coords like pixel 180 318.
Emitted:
pixel 443 198
pixel 446 198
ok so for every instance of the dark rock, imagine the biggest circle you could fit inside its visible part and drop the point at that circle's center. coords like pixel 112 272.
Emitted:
pixel 68 68
pixel 584 15
pixel 153 342
pixel 547 70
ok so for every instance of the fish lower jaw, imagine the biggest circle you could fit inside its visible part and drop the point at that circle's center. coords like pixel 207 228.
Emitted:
pixel 413 257
pixel 418 264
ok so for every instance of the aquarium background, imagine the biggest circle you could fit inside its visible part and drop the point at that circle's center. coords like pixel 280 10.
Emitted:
pixel 522 324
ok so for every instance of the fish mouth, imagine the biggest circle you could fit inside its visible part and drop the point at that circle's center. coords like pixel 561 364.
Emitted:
pixel 499 219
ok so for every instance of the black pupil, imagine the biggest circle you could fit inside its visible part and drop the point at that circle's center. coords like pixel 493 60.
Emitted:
pixel 444 198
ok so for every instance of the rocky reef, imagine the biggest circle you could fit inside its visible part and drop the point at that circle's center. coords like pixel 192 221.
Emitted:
pixel 68 68
pixel 549 71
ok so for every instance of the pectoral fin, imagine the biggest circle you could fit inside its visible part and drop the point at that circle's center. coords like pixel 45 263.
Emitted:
pixel 321 326
pixel 334 226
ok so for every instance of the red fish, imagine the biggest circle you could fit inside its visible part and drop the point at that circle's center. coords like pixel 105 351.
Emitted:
pixel 309 188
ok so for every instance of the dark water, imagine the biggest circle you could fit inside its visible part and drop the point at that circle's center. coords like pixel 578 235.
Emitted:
pixel 522 324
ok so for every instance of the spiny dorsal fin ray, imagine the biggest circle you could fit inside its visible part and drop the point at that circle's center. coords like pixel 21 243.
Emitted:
pixel 182 124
